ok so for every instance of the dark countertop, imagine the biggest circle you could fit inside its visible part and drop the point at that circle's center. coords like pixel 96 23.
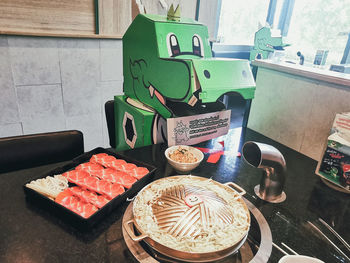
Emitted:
pixel 30 234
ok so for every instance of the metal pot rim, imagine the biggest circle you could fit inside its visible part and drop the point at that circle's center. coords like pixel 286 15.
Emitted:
pixel 192 256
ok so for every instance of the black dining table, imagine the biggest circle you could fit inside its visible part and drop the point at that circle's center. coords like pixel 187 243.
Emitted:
pixel 29 233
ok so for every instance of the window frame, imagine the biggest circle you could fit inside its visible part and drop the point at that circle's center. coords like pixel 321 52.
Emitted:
pixel 346 56
pixel 238 51
pixel 242 51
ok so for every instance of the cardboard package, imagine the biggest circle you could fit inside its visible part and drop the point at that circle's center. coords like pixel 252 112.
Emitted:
pixel 169 74
pixel 335 163
pixel 130 113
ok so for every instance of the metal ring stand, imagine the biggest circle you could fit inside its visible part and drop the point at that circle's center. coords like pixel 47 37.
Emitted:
pixel 280 199
pixel 261 256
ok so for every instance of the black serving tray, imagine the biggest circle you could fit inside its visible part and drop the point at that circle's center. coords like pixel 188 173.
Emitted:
pixel 74 219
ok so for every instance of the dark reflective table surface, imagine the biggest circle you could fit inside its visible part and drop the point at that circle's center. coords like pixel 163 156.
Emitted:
pixel 28 233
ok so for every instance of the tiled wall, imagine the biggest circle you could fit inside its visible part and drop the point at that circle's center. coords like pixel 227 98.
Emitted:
pixel 53 84
pixel 295 111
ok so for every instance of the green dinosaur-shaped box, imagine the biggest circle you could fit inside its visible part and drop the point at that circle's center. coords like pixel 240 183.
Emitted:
pixel 265 44
pixel 168 66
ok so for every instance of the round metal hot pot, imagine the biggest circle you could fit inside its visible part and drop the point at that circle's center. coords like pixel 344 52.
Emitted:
pixel 187 196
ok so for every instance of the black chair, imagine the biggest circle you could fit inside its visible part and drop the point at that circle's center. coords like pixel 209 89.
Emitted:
pixel 110 118
pixel 27 151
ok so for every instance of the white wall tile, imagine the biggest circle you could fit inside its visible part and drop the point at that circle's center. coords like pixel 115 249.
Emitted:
pixel 41 108
pixel 105 134
pixel 295 111
pixel 79 60
pixel 108 91
pixel 45 124
pixel 326 103
pixel 8 100
pixel 91 127
pixel 111 59
pixel 280 107
pixel 34 60
pixel 40 101
pixel 13 129
pixel 51 84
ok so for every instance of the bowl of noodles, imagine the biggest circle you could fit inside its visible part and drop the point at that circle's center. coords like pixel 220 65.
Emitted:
pixel 183 158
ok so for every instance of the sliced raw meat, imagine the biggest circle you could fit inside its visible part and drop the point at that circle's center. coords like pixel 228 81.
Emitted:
pixel 91 183
pixel 107 174
pixel 112 190
pixel 115 176
pixel 99 200
pixel 77 191
pixel 107 161
pixel 117 164
pixel 101 186
pixel 97 157
pixel 76 176
pixel 89 196
pixel 129 168
pixel 124 179
pixel 103 159
pixel 63 194
pixel 140 172
pixel 91 168
pixel 78 206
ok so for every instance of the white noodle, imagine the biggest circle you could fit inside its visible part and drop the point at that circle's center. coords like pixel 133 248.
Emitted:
pixel 219 235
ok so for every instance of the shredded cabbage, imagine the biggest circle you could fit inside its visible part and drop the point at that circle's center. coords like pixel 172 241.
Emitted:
pixel 217 237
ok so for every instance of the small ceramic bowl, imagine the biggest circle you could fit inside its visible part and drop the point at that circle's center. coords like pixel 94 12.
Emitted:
pixel 299 259
pixel 184 167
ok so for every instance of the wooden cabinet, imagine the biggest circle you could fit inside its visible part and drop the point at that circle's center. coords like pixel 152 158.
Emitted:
pixel 114 17
pixel 45 17
pixel 81 18
pixel 66 18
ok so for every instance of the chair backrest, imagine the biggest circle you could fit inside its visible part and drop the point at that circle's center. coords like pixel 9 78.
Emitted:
pixel 110 118
pixel 20 152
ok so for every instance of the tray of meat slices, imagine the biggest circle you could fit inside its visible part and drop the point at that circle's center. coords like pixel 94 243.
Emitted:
pixel 91 186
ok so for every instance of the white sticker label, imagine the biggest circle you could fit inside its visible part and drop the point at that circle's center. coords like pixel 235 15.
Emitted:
pixel 197 128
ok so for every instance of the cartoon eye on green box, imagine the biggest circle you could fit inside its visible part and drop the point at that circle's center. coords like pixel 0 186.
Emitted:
pixel 168 67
